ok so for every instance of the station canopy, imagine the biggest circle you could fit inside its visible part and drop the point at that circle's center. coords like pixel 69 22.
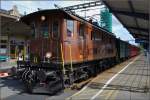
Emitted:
pixel 134 16
pixel 11 26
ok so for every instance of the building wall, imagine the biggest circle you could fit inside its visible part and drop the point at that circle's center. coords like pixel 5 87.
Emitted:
pixel 4 45
pixel 10 45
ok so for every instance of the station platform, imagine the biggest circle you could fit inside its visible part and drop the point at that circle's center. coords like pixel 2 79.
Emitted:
pixel 129 80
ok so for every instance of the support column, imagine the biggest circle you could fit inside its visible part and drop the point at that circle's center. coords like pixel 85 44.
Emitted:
pixel 149 31
pixel 8 46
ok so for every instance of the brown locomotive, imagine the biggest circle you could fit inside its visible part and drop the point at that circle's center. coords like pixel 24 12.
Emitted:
pixel 80 39
pixel 76 46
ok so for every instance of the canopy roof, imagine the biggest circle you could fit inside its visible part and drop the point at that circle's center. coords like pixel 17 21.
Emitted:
pixel 134 16
pixel 11 26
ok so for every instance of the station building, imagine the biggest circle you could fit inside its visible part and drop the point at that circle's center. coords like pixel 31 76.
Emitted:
pixel 12 35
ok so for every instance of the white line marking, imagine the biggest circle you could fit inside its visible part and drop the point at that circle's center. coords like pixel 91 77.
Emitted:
pixel 80 90
pixel 111 80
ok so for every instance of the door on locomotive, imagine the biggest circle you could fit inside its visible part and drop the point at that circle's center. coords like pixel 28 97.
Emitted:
pixel 55 45
pixel 83 39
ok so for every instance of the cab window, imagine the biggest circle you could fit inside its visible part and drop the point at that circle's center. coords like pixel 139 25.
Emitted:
pixel 55 29
pixel 34 27
pixel 70 28
pixel 44 29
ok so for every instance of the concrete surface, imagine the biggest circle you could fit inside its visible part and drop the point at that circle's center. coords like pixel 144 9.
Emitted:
pixel 132 83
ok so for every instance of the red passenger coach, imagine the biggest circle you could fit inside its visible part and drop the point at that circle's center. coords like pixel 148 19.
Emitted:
pixel 134 50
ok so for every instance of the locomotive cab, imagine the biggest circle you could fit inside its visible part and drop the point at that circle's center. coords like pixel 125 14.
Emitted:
pixel 47 33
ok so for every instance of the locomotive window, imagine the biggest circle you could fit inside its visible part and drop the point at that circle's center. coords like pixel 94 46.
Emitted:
pixel 44 29
pixel 92 35
pixel 81 30
pixel 70 28
pixel 55 29
pixel 34 29
pixel 95 35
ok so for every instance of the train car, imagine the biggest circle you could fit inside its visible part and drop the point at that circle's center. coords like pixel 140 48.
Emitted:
pixel 121 47
pixel 125 50
pixel 134 50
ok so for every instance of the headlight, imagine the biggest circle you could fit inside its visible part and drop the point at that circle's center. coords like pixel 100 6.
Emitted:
pixel 48 55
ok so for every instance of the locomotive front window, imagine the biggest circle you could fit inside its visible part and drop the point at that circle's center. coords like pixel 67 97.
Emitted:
pixel 70 28
pixel 34 29
pixel 55 29
pixel 44 30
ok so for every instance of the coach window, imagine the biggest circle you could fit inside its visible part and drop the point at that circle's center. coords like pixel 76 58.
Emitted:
pixel 44 29
pixel 55 29
pixel 70 28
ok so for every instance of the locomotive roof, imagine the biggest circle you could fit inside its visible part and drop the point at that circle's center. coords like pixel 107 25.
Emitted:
pixel 66 15
pixel 45 12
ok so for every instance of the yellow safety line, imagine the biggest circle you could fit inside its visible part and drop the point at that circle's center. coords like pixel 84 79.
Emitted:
pixel 15 51
pixel 36 59
pixel 33 59
pixel 62 55
pixel 24 52
pixel 70 57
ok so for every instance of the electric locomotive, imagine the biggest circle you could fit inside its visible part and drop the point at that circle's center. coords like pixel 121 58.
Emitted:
pixel 65 49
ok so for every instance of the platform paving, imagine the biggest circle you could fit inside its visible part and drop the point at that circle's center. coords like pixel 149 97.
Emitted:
pixel 133 83
pixel 127 81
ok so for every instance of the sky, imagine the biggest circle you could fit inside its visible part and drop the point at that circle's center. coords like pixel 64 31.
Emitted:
pixel 31 6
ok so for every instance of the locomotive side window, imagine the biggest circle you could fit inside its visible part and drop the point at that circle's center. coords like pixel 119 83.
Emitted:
pixel 92 35
pixel 96 35
pixel 55 29
pixel 70 27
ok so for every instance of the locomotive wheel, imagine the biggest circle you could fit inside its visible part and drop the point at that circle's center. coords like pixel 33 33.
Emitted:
pixel 30 83
pixel 55 86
